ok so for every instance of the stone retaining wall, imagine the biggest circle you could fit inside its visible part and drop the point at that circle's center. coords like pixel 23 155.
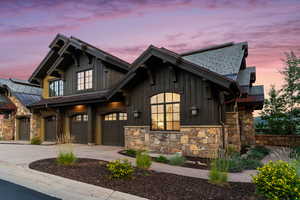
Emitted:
pixel 278 140
pixel 200 141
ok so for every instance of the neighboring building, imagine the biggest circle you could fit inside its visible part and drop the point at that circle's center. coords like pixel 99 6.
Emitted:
pixel 16 120
pixel 195 103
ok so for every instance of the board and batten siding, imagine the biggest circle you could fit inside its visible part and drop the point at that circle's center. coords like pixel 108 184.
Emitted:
pixel 193 90
pixel 104 77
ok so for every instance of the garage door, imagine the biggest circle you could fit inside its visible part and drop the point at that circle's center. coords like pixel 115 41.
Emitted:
pixel 79 128
pixel 113 129
pixel 50 128
pixel 24 128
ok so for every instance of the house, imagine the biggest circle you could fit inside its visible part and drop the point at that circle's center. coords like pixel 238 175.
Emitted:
pixel 195 102
pixel 16 120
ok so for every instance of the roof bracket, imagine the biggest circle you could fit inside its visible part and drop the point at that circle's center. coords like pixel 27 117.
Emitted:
pixel 150 74
pixel 173 73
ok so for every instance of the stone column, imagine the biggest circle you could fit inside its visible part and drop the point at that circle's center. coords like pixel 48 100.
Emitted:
pixel 233 128
pixel 247 127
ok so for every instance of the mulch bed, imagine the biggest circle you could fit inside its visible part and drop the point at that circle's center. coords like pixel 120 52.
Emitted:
pixel 205 161
pixel 155 185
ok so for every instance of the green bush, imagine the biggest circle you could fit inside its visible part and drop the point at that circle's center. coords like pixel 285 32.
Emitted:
pixel 250 163
pixel 161 159
pixel 36 141
pixel 295 153
pixel 218 172
pixel 278 181
pixel 265 151
pixel 255 155
pixel 143 160
pixel 120 169
pixel 177 159
pixel 131 152
pixel 235 165
pixel 66 158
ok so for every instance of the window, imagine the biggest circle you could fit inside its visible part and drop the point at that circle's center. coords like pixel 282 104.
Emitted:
pixel 110 117
pixel 81 117
pixel 165 111
pixel 85 80
pixel 56 88
pixel 122 116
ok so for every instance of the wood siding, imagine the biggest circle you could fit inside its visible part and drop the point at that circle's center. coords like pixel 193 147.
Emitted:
pixel 104 77
pixel 193 90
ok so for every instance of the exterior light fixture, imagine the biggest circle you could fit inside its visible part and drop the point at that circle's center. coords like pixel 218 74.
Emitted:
pixel 136 114
pixel 194 110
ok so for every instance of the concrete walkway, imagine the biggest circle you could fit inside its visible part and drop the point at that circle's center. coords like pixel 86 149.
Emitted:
pixel 14 161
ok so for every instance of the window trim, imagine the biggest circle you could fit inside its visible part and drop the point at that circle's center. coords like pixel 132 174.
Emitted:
pixel 164 104
pixel 84 80
pixel 61 92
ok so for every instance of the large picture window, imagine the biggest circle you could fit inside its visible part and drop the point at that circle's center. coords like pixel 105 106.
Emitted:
pixel 56 88
pixel 165 111
pixel 85 80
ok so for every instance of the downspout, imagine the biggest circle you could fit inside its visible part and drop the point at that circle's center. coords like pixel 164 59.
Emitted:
pixel 223 126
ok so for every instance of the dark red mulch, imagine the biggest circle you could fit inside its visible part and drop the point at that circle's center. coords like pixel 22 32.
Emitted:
pixel 205 161
pixel 155 185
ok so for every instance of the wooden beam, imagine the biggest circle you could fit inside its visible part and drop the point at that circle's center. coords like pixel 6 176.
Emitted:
pixel 150 74
pixel 90 124
pixel 173 73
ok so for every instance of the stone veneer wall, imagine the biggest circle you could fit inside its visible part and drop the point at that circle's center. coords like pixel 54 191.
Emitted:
pixel 247 127
pixel 7 128
pixel 234 137
pixel 35 124
pixel 198 141
pixel 278 140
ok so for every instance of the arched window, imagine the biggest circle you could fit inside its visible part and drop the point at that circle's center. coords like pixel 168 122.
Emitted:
pixel 165 111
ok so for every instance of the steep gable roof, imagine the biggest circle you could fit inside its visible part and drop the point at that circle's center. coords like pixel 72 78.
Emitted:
pixel 176 59
pixel 225 59
pixel 58 48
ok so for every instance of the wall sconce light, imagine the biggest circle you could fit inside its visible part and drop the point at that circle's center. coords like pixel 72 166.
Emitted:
pixel 136 114
pixel 194 110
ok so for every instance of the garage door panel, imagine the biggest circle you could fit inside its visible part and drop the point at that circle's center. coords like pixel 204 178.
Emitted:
pixel 79 129
pixel 113 129
pixel 50 128
pixel 24 128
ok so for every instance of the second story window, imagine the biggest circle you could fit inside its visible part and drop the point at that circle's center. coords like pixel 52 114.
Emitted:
pixel 85 80
pixel 56 88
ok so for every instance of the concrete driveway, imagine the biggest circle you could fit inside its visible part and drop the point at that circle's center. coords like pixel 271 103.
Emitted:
pixel 24 154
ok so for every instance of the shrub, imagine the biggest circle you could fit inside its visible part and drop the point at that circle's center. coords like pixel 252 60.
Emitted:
pixel 217 176
pixel 120 169
pixel 161 159
pixel 278 181
pixel 256 155
pixel 66 158
pixel 143 160
pixel 177 159
pixel 250 163
pixel 235 165
pixel 131 152
pixel 231 152
pixel 295 153
pixel 265 151
pixel 36 141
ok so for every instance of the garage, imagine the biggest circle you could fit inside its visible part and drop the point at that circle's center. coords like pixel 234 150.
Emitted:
pixel 79 127
pixel 50 128
pixel 24 128
pixel 113 129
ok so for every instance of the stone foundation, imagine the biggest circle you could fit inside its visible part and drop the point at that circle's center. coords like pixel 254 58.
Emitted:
pixel 198 141
pixel 7 129
pixel 234 137
pixel 247 127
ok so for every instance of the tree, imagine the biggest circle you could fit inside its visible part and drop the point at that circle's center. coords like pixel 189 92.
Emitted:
pixel 291 87
pixel 275 104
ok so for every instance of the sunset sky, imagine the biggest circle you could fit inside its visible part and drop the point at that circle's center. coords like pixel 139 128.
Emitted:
pixel 125 28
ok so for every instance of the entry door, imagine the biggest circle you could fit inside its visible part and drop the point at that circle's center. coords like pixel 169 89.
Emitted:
pixel 113 129
pixel 79 128
pixel 24 128
pixel 50 128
